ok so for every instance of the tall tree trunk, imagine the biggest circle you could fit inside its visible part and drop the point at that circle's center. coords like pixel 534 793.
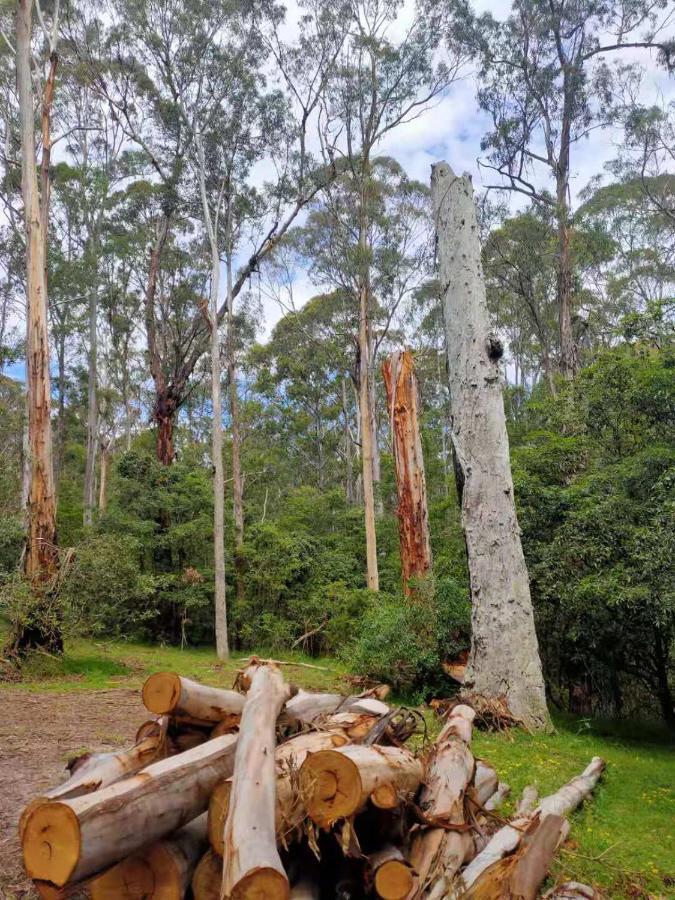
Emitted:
pixel 92 414
pixel 237 478
pixel 504 659
pixel 365 416
pixel 61 405
pixel 568 347
pixel 349 463
pixel 41 558
pixel 412 511
pixel 377 469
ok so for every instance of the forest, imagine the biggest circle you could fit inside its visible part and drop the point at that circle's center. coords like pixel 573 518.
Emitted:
pixel 221 261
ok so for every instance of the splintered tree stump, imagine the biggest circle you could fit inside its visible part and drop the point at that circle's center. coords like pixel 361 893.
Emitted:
pixel 70 840
pixel 338 783
pixel 392 876
pixel 94 771
pixel 290 810
pixel 251 863
pixel 412 511
pixel 161 871
pixel 436 854
pixel 207 877
pixel 167 693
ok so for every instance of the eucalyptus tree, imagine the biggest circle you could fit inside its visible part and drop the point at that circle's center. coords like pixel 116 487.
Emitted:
pixel 41 559
pixel 545 81
pixel 387 76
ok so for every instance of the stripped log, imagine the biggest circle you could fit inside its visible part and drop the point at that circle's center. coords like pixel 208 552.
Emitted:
pixel 398 372
pixel 162 871
pixel 290 810
pixel 304 708
pixel 484 783
pixel 338 783
pixel 572 890
pixel 559 804
pixel 391 874
pixel 528 800
pixel 166 693
pixel 69 840
pixel 436 853
pixel 207 877
pixel 251 863
pixel 93 771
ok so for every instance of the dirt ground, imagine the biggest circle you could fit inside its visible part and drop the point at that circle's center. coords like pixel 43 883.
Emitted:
pixel 38 734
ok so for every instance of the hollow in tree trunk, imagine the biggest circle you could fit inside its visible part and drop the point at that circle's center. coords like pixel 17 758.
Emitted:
pixel 504 659
pixel 413 515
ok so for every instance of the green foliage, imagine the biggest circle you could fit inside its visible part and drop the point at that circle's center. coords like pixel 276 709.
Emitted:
pixel 404 641
pixel 597 509
pixel 11 545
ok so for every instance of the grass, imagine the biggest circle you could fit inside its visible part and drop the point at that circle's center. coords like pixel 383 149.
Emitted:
pixel 623 841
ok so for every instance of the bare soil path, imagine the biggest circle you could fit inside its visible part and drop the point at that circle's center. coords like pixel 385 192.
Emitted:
pixel 39 732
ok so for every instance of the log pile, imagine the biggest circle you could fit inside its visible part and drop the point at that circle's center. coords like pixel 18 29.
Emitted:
pixel 266 792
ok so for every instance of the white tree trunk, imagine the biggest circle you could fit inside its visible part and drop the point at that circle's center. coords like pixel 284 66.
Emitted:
pixel 92 413
pixel 504 659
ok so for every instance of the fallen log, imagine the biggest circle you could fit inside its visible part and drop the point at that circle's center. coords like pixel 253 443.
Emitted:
pixel 436 853
pixel 559 804
pixel 207 877
pixel 305 707
pixel 162 871
pixel 251 862
pixel 69 840
pixel 338 783
pixel 572 890
pixel 528 800
pixel 290 810
pixel 391 874
pixel 93 771
pixel 166 693
pixel 484 783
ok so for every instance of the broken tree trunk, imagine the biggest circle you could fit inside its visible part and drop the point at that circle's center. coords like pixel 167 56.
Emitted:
pixel 306 708
pixel 162 871
pixel 436 853
pixel 338 783
pixel 167 693
pixel 392 875
pixel 290 810
pixel 412 511
pixel 69 840
pixel 560 804
pixel 251 862
pixel 500 591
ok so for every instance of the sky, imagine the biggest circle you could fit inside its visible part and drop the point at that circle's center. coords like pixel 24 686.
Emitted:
pixel 452 130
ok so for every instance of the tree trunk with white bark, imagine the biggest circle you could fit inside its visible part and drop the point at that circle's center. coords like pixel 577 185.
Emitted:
pixel 504 660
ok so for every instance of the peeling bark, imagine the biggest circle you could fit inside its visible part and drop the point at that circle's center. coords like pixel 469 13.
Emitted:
pixel 413 515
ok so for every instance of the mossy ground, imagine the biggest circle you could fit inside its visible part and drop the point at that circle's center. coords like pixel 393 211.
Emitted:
pixel 623 841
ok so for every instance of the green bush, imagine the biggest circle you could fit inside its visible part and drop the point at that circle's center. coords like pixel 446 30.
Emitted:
pixel 404 641
pixel 11 545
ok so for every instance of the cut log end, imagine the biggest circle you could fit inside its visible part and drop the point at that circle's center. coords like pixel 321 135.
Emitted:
pixel 385 796
pixel 51 843
pixel 132 878
pixel 218 807
pixel 161 692
pixel 330 783
pixel 262 884
pixel 207 877
pixel 394 880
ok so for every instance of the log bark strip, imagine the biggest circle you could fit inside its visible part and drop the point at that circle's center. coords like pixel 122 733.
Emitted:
pixel 166 693
pixel 69 840
pixel 500 591
pixel 412 510
pixel 251 863
pixel 435 853
pixel 338 783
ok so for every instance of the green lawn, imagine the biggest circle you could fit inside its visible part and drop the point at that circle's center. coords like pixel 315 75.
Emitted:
pixel 623 841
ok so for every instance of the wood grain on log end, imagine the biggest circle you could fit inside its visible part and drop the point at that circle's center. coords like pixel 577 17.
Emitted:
pixel 161 692
pixel 51 843
pixel 331 785
pixel 394 880
pixel 207 877
pixel 265 883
